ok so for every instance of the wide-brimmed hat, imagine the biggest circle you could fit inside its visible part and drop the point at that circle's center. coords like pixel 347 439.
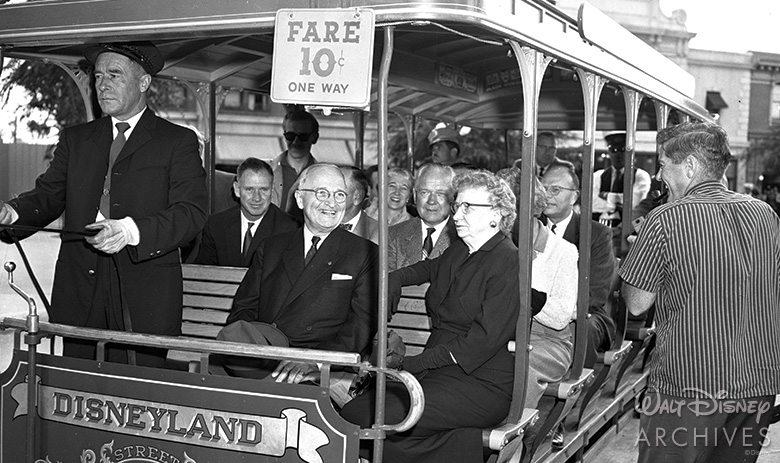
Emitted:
pixel 258 333
pixel 443 134
pixel 143 53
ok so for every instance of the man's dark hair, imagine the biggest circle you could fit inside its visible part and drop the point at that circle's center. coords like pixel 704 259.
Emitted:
pixel 302 115
pixel 353 174
pixel 705 141
pixel 255 165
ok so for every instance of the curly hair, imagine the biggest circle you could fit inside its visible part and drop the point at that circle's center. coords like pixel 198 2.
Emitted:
pixel 500 194
pixel 511 175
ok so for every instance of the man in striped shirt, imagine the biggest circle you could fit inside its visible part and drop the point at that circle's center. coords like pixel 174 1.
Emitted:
pixel 709 260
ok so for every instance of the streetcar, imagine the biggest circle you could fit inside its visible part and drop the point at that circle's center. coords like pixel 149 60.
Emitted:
pixel 502 65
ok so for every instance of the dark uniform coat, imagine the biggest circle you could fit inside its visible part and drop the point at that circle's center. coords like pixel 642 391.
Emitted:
pixel 158 180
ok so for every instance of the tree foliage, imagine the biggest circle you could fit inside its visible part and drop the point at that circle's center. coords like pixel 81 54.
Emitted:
pixel 50 90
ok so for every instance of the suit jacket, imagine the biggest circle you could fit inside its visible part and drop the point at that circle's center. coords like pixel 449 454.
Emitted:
pixel 221 243
pixel 406 240
pixel 367 228
pixel 602 265
pixel 329 304
pixel 158 180
pixel 474 304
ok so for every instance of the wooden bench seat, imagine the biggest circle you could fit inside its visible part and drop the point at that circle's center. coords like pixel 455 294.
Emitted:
pixel 208 296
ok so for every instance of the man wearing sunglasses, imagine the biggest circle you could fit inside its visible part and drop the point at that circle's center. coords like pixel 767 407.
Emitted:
pixel 301 131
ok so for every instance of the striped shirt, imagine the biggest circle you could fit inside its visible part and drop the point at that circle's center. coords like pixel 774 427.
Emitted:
pixel 712 258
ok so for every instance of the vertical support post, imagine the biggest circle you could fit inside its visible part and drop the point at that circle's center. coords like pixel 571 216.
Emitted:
pixel 359 124
pixel 384 72
pixel 661 115
pixel 591 85
pixel 632 99
pixel 532 65
pixel 209 97
pixel 410 122
pixel 210 145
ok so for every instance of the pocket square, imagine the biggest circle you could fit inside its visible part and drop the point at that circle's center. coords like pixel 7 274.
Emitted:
pixel 339 276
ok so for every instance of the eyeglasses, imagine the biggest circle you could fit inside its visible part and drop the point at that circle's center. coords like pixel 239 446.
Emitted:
pixel 466 206
pixel 322 194
pixel 555 190
pixel 302 136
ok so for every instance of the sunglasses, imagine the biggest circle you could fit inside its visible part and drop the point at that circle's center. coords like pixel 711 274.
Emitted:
pixel 302 136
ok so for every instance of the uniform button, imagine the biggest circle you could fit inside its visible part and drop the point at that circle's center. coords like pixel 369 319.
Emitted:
pixel 308 328
pixel 273 324
pixel 91 272
pixel 105 191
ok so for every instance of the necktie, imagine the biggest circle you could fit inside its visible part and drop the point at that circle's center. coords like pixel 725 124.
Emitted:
pixel 116 148
pixel 552 229
pixel 346 226
pixel 428 243
pixel 247 239
pixel 312 249
pixel 617 183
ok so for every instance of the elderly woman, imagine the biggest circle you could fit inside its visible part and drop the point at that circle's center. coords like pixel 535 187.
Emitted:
pixel 465 370
pixel 554 273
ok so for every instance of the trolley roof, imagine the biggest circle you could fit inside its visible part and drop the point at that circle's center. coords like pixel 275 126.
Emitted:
pixel 452 61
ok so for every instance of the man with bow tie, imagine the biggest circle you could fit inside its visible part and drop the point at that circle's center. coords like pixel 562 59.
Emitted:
pixel 355 220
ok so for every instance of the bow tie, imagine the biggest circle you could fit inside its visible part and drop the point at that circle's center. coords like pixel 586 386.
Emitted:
pixel 346 226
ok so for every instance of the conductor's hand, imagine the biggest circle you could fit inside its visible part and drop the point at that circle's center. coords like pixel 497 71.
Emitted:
pixel 295 372
pixel 113 236
pixel 7 213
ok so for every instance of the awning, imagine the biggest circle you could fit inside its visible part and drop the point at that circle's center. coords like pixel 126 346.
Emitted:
pixel 715 102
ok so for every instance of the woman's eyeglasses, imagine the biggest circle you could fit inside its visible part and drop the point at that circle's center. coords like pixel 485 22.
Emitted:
pixel 455 206
pixel 322 194
pixel 302 136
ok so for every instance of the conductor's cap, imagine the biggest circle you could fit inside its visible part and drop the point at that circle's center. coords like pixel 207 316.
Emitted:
pixel 143 53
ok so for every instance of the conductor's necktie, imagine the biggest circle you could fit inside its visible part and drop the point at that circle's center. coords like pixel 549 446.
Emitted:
pixel 428 243
pixel 247 240
pixel 116 148
pixel 312 249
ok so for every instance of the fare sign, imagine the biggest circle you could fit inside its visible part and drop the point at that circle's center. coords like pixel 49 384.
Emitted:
pixel 323 57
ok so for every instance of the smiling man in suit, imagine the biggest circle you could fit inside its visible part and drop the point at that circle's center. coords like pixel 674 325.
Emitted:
pixel 232 236
pixel 317 284
pixel 430 234
pixel 138 181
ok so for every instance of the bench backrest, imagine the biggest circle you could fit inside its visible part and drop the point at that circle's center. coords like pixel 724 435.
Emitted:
pixel 208 295
pixel 411 321
pixel 209 291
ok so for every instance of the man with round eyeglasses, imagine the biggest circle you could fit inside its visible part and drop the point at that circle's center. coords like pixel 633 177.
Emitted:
pixel 300 130
pixel 317 284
